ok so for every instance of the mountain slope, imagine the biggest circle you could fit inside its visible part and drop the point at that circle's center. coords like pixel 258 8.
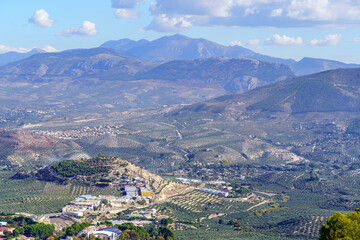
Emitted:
pixel 22 148
pixel 88 79
pixel 312 65
pixel 77 63
pixel 9 57
pixel 233 75
pixel 326 92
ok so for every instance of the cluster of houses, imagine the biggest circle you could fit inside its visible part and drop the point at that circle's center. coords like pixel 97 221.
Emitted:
pixel 133 194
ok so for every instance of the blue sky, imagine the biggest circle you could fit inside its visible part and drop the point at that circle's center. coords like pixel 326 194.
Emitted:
pixel 280 28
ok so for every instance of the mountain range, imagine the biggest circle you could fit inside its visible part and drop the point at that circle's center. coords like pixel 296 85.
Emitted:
pixel 106 76
pixel 136 74
pixel 74 63
pixel 179 47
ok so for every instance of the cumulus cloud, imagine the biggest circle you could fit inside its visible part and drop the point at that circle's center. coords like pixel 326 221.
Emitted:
pixel 49 48
pixel 250 11
pixel 87 29
pixel 276 12
pixel 283 40
pixel 253 13
pixel 125 3
pixel 41 18
pixel 253 42
pixel 330 40
pixel 218 8
pixel 164 23
pixel 324 10
pixel 235 43
pixel 125 13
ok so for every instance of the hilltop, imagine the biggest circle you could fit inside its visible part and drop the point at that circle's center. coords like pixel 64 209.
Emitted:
pixel 102 170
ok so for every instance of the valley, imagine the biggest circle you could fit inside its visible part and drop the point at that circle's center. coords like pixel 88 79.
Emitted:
pixel 230 147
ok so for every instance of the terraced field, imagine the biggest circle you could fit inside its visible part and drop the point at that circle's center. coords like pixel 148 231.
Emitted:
pixel 200 206
pixel 32 196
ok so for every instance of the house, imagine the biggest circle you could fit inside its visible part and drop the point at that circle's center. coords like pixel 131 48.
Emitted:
pixel 131 191
pixel 110 233
pixel 3 224
pixel 144 192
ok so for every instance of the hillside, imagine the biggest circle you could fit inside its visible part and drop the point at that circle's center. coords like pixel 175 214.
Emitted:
pixel 9 57
pixel 97 80
pixel 89 171
pixel 21 148
pixel 97 62
pixel 313 65
pixel 326 92
pixel 233 75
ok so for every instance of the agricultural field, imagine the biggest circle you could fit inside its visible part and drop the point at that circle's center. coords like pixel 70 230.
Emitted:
pixel 38 197
pixel 258 216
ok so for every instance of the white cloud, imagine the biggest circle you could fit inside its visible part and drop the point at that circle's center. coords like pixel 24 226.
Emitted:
pixel 276 12
pixel 250 11
pixel 253 42
pixel 163 23
pixel 218 8
pixel 41 18
pixel 269 13
pixel 4 49
pixel 235 43
pixel 125 3
pixel 125 13
pixel 49 48
pixel 330 40
pixel 324 10
pixel 283 40
pixel 87 29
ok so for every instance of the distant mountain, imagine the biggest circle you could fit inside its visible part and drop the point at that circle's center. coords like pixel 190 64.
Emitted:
pixel 96 62
pixel 89 79
pixel 313 65
pixel 232 75
pixel 124 44
pixel 326 92
pixel 9 57
pixel 179 47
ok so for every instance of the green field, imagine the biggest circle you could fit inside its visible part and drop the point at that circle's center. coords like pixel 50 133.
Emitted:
pixel 38 197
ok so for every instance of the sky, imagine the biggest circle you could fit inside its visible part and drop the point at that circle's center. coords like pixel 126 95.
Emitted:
pixel 279 28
